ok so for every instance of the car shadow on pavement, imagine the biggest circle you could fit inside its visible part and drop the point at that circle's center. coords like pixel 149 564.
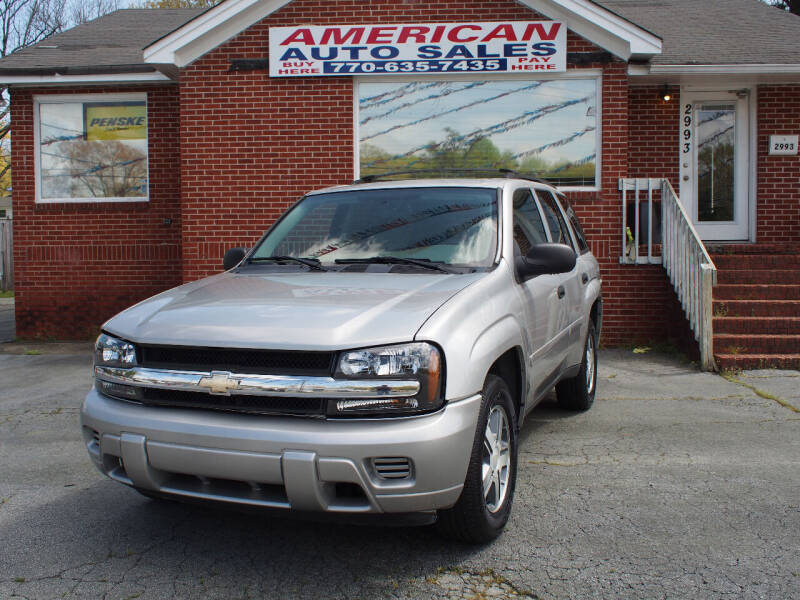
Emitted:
pixel 101 532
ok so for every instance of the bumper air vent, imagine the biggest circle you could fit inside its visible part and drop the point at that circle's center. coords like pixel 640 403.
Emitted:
pixel 392 467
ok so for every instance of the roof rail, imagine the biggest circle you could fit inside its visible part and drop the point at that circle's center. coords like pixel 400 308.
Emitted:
pixel 507 173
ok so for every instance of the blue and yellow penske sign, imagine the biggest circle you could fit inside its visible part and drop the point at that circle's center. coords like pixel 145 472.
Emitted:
pixel 115 121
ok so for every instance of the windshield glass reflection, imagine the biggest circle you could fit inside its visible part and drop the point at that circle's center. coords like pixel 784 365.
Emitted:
pixel 454 226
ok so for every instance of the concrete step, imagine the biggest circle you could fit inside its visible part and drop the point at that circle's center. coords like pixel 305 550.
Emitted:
pixel 734 362
pixel 737 343
pixel 757 308
pixel 759 276
pixel 717 248
pixel 733 291
pixel 757 325
pixel 756 261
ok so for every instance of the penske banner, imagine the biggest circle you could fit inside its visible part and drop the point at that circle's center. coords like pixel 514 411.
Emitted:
pixel 430 48
pixel 115 121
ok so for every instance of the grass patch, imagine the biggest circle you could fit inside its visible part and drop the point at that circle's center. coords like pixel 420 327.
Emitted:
pixel 731 376
pixel 7 294
pixel 32 353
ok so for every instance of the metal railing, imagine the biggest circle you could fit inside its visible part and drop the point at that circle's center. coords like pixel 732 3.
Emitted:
pixel 6 256
pixel 689 266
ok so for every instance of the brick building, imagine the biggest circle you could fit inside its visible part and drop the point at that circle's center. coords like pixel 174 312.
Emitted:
pixel 148 142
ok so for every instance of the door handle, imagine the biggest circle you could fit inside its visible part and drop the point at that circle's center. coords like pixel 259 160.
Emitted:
pixel 561 291
pixel 584 278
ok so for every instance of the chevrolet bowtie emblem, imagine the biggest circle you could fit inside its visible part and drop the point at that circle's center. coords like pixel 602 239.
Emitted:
pixel 220 383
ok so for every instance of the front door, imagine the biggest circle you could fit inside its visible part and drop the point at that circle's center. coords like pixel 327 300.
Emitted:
pixel 715 187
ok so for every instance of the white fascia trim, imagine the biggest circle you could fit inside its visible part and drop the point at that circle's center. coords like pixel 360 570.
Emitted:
pixel 154 77
pixel 600 26
pixel 209 30
pixel 718 69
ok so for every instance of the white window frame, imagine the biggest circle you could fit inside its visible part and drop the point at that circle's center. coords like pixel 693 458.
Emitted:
pixel 76 99
pixel 596 74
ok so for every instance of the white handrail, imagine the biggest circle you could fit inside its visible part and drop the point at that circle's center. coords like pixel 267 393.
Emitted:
pixel 686 260
pixel 691 271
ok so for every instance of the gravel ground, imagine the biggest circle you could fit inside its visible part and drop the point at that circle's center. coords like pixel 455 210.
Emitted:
pixel 676 484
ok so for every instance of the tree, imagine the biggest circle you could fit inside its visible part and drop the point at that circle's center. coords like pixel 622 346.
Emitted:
pixel 793 6
pixel 24 23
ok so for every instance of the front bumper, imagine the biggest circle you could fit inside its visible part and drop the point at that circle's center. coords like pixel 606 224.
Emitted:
pixel 285 462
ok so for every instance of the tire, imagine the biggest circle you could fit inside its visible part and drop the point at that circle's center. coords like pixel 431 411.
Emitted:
pixel 578 392
pixel 481 513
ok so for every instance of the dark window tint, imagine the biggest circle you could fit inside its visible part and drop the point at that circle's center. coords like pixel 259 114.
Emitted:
pixel 556 222
pixel 528 226
pixel 580 236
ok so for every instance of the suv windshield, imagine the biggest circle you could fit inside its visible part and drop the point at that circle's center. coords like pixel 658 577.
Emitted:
pixel 455 226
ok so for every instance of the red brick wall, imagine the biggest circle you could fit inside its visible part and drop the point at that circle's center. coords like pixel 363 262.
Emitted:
pixel 654 131
pixel 76 265
pixel 778 176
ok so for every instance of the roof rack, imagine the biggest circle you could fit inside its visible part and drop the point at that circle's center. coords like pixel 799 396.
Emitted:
pixel 507 173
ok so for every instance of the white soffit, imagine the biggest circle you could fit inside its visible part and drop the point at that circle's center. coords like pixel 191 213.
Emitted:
pixel 211 29
pixel 219 24
pixel 153 77
pixel 600 26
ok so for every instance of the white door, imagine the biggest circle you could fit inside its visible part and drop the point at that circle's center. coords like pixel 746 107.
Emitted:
pixel 715 143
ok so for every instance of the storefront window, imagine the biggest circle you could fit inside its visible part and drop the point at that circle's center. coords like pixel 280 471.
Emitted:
pixel 545 128
pixel 92 148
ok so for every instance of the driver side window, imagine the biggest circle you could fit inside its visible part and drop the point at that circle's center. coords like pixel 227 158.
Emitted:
pixel 528 226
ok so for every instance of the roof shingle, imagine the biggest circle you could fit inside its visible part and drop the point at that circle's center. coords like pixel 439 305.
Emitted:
pixel 105 44
pixel 715 32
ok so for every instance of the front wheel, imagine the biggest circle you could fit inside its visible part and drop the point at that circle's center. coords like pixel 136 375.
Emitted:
pixel 578 392
pixel 483 508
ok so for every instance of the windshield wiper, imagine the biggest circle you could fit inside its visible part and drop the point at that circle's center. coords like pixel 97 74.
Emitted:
pixel 394 260
pixel 311 263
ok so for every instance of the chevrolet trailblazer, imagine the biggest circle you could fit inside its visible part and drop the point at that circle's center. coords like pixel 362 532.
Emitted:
pixel 375 352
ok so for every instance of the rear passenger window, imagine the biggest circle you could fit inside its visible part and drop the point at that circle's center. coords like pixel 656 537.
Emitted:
pixel 528 225
pixel 580 236
pixel 556 222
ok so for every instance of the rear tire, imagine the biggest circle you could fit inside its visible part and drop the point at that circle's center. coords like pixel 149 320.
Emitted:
pixel 484 506
pixel 578 392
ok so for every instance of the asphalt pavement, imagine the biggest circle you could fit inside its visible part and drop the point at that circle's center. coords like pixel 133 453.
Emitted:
pixel 676 484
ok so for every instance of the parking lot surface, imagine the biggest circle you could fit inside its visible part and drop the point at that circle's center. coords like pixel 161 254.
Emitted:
pixel 676 484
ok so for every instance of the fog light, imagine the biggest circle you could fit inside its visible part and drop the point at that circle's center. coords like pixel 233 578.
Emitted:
pixel 117 390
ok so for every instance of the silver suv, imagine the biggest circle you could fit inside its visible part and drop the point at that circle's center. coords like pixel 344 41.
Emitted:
pixel 375 352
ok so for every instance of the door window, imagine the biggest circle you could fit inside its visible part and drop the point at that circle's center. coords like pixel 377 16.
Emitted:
pixel 528 226
pixel 716 133
pixel 558 226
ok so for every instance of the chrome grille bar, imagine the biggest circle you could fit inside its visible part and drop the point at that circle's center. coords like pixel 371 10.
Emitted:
pixel 223 383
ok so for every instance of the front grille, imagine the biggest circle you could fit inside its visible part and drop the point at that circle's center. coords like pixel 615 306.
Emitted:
pixel 237 360
pixel 392 467
pixel 264 405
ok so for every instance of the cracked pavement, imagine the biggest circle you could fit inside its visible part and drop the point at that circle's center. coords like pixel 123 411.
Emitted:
pixel 676 484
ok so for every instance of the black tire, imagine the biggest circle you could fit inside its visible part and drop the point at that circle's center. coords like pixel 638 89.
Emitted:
pixel 578 392
pixel 479 517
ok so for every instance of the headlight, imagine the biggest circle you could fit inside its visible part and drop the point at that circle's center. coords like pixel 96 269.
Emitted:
pixel 111 352
pixel 419 361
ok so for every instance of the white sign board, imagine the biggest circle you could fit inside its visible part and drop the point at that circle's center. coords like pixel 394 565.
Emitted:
pixel 421 49
pixel 783 145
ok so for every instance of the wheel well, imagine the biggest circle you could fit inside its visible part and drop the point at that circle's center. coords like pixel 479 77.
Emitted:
pixel 596 315
pixel 509 368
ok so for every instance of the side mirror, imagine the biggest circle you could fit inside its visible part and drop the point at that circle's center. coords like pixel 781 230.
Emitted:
pixel 233 257
pixel 546 259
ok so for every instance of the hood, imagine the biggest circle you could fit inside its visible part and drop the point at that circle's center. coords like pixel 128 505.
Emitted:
pixel 306 310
